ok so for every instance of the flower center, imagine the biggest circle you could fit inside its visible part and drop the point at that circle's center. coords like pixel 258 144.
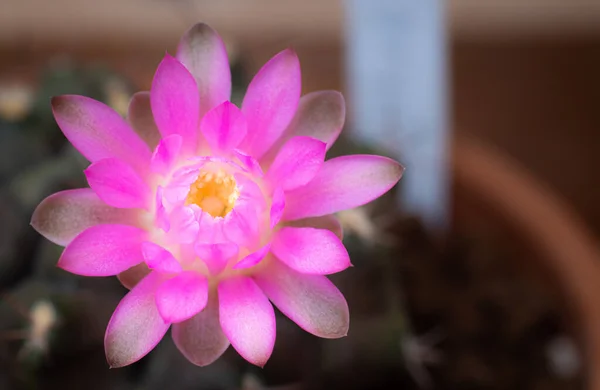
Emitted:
pixel 214 192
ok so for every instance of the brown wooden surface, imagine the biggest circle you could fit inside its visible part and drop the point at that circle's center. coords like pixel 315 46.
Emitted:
pixel 539 102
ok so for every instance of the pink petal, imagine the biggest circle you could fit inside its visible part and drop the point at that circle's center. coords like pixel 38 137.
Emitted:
pixel 253 258
pixel 297 163
pixel 166 154
pixel 62 216
pixel 249 163
pixel 241 225
pixel 320 115
pixel 201 339
pixel 224 127
pixel 311 301
pixel 210 230
pixel 132 276
pixel 247 319
pixel 182 297
pixel 184 225
pixel 159 259
pixel 98 132
pixel 136 326
pixel 140 118
pixel 277 206
pixel 343 183
pixel 117 184
pixel 203 53
pixel 271 102
pixel 329 222
pixel 216 256
pixel 175 102
pixel 103 250
pixel 250 192
pixel 310 251
pixel 161 215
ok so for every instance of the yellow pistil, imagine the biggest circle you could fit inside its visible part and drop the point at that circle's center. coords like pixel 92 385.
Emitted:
pixel 215 193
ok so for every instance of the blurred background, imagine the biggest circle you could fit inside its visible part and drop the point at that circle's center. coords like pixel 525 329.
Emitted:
pixel 479 272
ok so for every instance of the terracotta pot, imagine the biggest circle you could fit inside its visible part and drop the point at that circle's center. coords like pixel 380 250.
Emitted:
pixel 549 227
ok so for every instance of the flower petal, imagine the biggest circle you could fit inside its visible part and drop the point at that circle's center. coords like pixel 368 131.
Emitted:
pixel 103 250
pixel 98 131
pixel 136 326
pixel 329 222
pixel 249 163
pixel 132 276
pixel 297 163
pixel 210 229
pixel 183 225
pixel 271 102
pixel 140 118
pixel 242 225
pixel 175 102
pixel 343 183
pixel 224 127
pixel 166 154
pixel 247 319
pixel 320 115
pixel 277 206
pixel 62 216
pixel 182 297
pixel 161 217
pixel 310 250
pixel 117 184
pixel 311 301
pixel 159 259
pixel 253 258
pixel 216 256
pixel 203 53
pixel 201 339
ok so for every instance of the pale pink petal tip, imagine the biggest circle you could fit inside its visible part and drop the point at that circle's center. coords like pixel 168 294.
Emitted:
pixel 98 131
pixel 203 53
pixel 311 301
pixel 247 319
pixel 62 216
pixel 136 325
pixel 320 115
pixel 201 339
pixel 139 116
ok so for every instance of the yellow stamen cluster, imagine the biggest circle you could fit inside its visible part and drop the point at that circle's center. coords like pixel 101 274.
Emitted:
pixel 215 193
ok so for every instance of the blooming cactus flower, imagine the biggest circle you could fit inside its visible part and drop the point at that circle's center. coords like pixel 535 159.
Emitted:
pixel 209 212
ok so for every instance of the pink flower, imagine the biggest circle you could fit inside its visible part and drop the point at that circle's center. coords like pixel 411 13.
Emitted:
pixel 232 210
